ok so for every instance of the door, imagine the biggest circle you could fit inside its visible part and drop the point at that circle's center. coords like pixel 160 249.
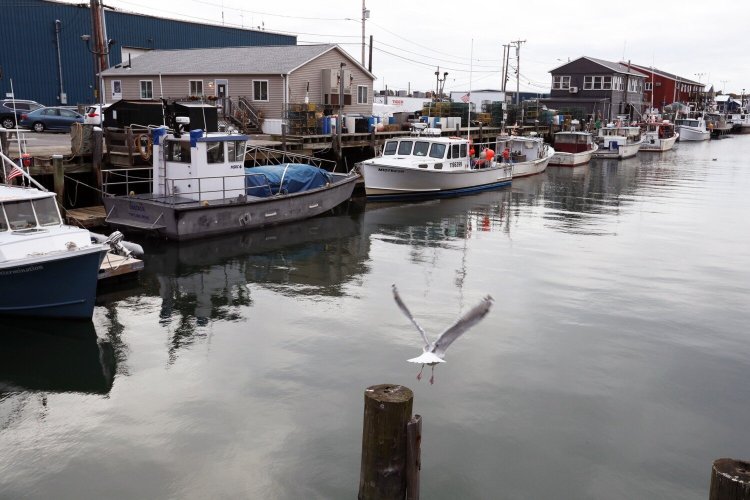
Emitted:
pixel 222 92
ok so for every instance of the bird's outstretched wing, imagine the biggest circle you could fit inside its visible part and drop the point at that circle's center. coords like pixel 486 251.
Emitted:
pixel 405 310
pixel 461 325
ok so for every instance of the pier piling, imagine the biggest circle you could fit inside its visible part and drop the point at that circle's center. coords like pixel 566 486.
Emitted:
pixel 383 473
pixel 730 480
pixel 58 174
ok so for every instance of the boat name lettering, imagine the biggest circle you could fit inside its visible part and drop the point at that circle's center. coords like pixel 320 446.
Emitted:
pixel 136 206
pixel 392 170
pixel 29 269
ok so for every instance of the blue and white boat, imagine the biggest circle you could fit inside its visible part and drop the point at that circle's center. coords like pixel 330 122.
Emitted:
pixel 47 268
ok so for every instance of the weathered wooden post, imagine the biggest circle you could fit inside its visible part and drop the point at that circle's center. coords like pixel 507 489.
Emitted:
pixel 58 175
pixel 4 141
pixel 97 154
pixel 384 442
pixel 730 480
pixel 413 456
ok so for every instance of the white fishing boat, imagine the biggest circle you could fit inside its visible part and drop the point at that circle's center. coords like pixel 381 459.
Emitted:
pixel 717 124
pixel 198 187
pixel 659 136
pixel 573 148
pixel 528 155
pixel 618 142
pixel 429 166
pixel 740 121
pixel 692 129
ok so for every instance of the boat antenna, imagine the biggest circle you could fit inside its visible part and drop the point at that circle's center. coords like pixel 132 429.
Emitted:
pixel 161 96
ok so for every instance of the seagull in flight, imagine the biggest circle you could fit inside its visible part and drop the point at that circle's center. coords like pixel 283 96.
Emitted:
pixel 434 352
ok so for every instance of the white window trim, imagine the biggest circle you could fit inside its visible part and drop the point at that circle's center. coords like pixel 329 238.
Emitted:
pixel 190 88
pixel 367 94
pixel 140 88
pixel 649 86
pixel 562 84
pixel 268 93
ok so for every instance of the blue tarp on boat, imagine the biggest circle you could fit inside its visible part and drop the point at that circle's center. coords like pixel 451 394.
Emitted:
pixel 285 179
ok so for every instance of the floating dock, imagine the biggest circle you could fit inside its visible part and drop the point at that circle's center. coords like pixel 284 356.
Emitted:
pixel 115 267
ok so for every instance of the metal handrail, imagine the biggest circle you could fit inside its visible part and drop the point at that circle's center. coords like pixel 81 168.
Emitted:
pixel 270 156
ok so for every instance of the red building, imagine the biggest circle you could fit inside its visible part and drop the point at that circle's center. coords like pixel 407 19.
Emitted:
pixel 666 88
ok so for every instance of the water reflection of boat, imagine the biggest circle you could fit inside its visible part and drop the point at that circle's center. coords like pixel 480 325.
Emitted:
pixel 43 356
pixel 208 278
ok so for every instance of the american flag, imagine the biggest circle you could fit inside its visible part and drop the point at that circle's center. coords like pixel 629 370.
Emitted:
pixel 15 172
pixel 466 98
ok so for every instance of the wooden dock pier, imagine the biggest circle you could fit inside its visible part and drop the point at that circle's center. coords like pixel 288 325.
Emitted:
pixel 117 267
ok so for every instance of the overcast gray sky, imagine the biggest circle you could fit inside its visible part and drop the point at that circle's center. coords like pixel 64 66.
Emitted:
pixel 700 40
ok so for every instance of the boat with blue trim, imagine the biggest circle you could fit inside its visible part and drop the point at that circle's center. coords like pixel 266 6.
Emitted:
pixel 198 186
pixel 426 165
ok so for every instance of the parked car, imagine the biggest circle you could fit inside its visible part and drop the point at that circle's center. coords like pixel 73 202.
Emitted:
pixel 7 106
pixel 50 119
pixel 94 114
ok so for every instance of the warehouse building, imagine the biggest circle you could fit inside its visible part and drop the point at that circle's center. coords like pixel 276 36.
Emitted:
pixel 47 60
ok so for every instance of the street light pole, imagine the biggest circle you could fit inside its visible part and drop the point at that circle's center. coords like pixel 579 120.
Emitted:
pixel 365 15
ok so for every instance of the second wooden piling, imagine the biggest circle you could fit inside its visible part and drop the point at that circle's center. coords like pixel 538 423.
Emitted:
pixel 730 480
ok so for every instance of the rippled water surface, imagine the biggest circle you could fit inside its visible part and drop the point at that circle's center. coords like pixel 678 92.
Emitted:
pixel 614 363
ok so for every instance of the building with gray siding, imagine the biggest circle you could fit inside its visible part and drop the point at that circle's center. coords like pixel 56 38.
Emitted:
pixel 43 54
pixel 589 87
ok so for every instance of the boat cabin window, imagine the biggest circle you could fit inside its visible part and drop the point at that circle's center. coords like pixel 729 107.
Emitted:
pixel 177 151
pixel 421 148
pixel 3 220
pixel 390 148
pixel 236 151
pixel 20 215
pixel 215 152
pixel 404 147
pixel 455 151
pixel 437 150
pixel 46 212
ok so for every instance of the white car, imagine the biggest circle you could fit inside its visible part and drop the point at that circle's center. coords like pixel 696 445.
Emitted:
pixel 93 114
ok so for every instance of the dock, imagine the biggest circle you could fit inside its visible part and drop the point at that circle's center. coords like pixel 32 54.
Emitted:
pixel 86 217
pixel 116 267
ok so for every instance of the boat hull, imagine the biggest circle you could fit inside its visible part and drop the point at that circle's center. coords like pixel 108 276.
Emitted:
pixel 527 168
pixel 622 152
pixel 659 145
pixel 190 220
pixel 389 182
pixel 62 285
pixel 560 159
pixel 692 134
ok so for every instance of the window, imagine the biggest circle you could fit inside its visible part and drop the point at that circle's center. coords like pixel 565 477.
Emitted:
pixel 404 147
pixel 3 221
pixel 236 151
pixel 260 90
pixel 116 89
pixel 634 85
pixel 390 148
pixel 20 215
pixel 196 88
pixel 215 152
pixel 66 113
pixel 456 151
pixel 437 150
pixel 361 94
pixel 46 212
pixel 147 89
pixel 421 148
pixel 464 151
pixel 597 82
pixel 177 151
pixel 50 112
pixel 560 82
pixel 649 86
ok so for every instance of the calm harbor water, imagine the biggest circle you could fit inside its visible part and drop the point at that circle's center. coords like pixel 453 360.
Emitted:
pixel 613 364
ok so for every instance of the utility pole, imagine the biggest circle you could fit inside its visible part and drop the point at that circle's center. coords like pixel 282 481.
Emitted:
pixel 365 15
pixel 502 73
pixel 517 45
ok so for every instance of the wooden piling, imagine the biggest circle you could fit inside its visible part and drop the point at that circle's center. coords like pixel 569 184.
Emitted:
pixel 384 442
pixel 730 480
pixel 58 175
pixel 4 142
pixel 413 456
pixel 97 154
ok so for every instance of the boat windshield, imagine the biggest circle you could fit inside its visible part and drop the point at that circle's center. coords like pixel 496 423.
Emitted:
pixel 3 220
pixel 421 148
pixel 20 215
pixel 236 150
pixel 437 150
pixel 390 148
pixel 404 147
pixel 46 212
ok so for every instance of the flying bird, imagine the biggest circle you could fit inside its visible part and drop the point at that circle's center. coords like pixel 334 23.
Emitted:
pixel 434 352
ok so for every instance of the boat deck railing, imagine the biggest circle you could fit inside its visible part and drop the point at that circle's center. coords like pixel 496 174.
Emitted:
pixel 128 181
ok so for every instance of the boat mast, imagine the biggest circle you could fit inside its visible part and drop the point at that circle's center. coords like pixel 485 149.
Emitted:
pixel 471 67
